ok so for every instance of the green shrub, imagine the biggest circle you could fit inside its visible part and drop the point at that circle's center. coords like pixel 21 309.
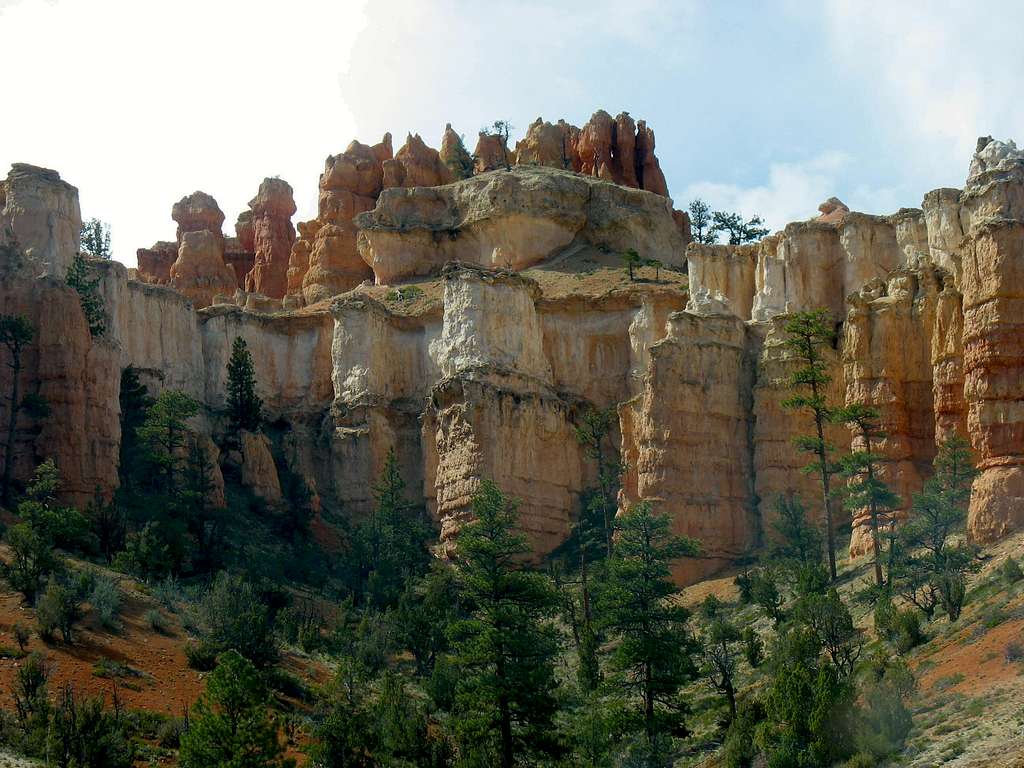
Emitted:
pixel 156 620
pixel 1010 572
pixel 1014 652
pixel 21 635
pixel 908 631
pixel 105 599
pixel 753 647
pixel 84 735
pixel 233 616
pixel 201 656
pixel 886 618
pixel 169 733
pixel 58 608
pixel 168 593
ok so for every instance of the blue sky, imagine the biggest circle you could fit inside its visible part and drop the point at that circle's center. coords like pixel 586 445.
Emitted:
pixel 768 108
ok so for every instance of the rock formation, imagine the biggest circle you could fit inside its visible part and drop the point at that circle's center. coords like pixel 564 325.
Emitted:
pixel 199 271
pixel 416 165
pixel 155 262
pixel 471 371
pixel 39 213
pixel 198 212
pixel 511 220
pixel 454 154
pixel 553 145
pixel 272 238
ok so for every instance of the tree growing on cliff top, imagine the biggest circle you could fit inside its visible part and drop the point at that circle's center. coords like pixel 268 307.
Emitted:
pixel 245 408
pixel 808 334
pixel 16 333
pixel 505 649
pixel 738 230
pixel 95 239
pixel 86 284
pixel 701 226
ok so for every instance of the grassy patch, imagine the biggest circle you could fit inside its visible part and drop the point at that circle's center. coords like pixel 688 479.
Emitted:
pixel 947 682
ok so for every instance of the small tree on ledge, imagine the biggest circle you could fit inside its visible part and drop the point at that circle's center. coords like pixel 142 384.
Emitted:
pixel 245 408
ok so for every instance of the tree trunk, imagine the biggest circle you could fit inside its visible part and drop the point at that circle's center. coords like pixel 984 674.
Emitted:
pixel 826 492
pixel 507 755
pixel 648 703
pixel 12 425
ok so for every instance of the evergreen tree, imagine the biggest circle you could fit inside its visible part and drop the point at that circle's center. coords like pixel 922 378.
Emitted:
pixel 927 563
pixel 16 333
pixel 739 231
pixel 394 541
pixel 164 436
pixel 796 549
pixel 720 651
pixel 701 226
pixel 505 649
pixel 866 489
pixel 95 239
pixel 231 725
pixel 80 277
pixel 245 408
pixel 653 655
pixel 808 333
pixel 631 260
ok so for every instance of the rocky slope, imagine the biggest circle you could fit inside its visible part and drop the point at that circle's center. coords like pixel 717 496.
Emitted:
pixel 468 325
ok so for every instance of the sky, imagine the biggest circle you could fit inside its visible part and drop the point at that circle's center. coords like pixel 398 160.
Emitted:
pixel 767 108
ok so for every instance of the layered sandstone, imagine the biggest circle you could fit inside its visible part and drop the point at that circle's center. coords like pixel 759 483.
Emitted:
pixel 512 220
pixel 155 262
pixel 199 212
pixel 199 272
pixel 40 214
pixel 692 421
pixel 454 155
pixel 272 238
pixel 349 185
pixel 550 144
pixel 415 165
pixel 993 337
pixel 896 379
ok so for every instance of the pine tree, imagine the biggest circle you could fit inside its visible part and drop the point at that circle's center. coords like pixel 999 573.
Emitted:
pixel 700 223
pixel 505 649
pixel 808 333
pixel 926 556
pixel 721 655
pixel 95 239
pixel 739 231
pixel 393 541
pixel 16 333
pixel 231 724
pixel 245 408
pixel 164 435
pixel 86 284
pixel 866 489
pixel 653 656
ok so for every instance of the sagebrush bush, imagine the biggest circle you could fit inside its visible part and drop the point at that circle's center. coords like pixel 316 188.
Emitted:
pixel 105 600
pixel 1010 572
pixel 908 630
pixel 233 616
pixel 156 620
pixel 200 656
pixel 59 607
pixel 1014 652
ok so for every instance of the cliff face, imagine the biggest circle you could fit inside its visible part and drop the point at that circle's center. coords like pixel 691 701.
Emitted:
pixel 498 315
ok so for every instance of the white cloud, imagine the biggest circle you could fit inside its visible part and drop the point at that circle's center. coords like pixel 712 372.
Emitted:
pixel 943 73
pixel 792 191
